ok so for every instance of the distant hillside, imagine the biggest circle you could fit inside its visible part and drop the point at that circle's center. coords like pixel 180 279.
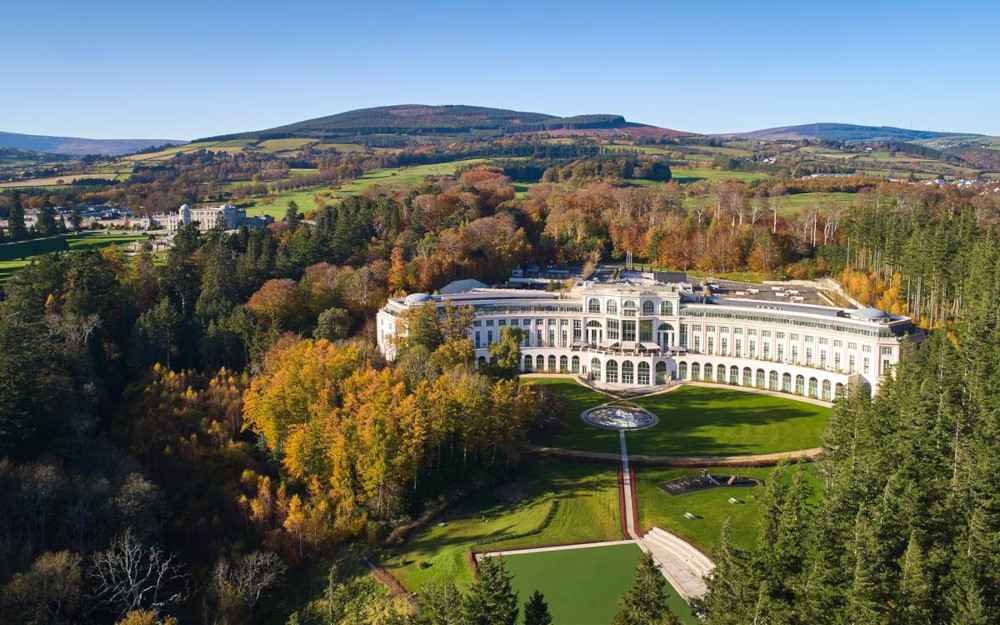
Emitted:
pixel 421 119
pixel 78 147
pixel 842 132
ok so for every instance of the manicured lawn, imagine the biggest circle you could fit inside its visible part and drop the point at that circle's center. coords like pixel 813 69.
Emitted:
pixel 695 421
pixel 708 421
pixel 710 507
pixel 713 176
pixel 582 586
pixel 587 511
pixel 14 256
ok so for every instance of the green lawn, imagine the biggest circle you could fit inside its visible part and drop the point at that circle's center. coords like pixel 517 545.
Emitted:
pixel 695 421
pixel 710 507
pixel 587 511
pixel 694 174
pixel 14 256
pixel 582 586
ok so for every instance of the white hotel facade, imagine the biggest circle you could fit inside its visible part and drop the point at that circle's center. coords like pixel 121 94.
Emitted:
pixel 638 332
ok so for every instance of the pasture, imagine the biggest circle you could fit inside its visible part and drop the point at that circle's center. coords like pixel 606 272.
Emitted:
pixel 14 256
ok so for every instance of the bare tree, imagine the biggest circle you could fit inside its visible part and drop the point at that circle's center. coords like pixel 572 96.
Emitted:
pixel 250 576
pixel 133 576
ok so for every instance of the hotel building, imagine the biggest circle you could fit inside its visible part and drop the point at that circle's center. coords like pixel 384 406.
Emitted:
pixel 641 331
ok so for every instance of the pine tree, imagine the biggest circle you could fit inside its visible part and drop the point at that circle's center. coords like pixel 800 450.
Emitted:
pixel 440 603
pixel 15 218
pixel 536 610
pixel 646 602
pixel 292 217
pixel 491 600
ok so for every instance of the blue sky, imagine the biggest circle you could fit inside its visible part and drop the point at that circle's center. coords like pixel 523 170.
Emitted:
pixel 184 69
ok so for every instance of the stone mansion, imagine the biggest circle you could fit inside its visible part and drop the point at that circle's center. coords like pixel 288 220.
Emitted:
pixel 637 331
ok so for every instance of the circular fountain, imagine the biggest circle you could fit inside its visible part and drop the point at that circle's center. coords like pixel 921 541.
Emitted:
pixel 619 417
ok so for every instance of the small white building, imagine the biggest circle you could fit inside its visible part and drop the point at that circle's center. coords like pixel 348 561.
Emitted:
pixel 637 331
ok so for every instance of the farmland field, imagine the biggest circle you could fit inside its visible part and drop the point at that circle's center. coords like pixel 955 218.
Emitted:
pixel 56 180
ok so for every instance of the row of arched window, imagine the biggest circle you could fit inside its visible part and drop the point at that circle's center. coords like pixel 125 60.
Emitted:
pixel 629 307
pixel 799 385
pixel 552 365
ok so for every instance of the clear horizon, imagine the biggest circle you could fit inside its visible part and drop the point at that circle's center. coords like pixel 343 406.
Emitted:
pixel 110 70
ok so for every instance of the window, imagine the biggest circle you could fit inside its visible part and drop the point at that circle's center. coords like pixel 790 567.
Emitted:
pixel 709 372
pixel 489 323
pixel 563 364
pixel 646 330
pixel 867 365
pixel 695 371
pixel 836 361
pixel 711 345
pixel 527 364
pixel 489 337
pixel 800 385
pixel 661 372
pixel 781 353
pixel 697 343
pixel 595 368
pixel 786 382
pixel 725 346
pixel 813 387
pixel 772 381
pixel 682 371
pixel 628 330
pixel 850 363
pixel 575 364
pixel 612 307
pixel 647 307
pixel 540 363
pixel 552 338
pixel 760 378
pixel 552 363
pixel 594 305
pixel 734 375
pixel 666 309
pixel 613 329
pixel 628 373
pixel 478 341
pixel 739 348
pixel 644 373
pixel 826 390
pixel 612 373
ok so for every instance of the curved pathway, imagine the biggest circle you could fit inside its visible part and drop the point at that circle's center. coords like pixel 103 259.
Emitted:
pixel 754 460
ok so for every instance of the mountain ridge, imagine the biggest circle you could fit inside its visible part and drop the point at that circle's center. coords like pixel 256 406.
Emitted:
pixel 78 146
pixel 838 131
pixel 449 119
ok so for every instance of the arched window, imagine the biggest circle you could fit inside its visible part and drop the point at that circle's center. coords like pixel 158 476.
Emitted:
pixel 629 308
pixel 647 308
pixel 695 371
pixel 661 372
pixel 563 364
pixel 666 309
pixel 644 373
pixel 682 371
pixel 552 363
pixel 838 390
pixel 734 375
pixel 540 363
pixel 708 372
pixel 594 305
pixel 611 375
pixel 575 364
pixel 760 378
pixel 747 377
pixel 813 387
pixel 595 368
pixel 786 382
pixel 612 307
pixel 772 381
pixel 826 390
pixel 720 374
pixel 628 372
pixel 800 385
pixel 481 360
pixel 527 364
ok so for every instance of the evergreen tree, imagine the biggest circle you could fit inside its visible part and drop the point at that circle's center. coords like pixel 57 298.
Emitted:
pixel 646 602
pixel 440 603
pixel 292 217
pixel 15 218
pixel 491 600
pixel 46 225
pixel 536 610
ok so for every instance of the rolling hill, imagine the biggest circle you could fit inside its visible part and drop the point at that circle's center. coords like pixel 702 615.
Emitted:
pixel 450 120
pixel 828 131
pixel 75 146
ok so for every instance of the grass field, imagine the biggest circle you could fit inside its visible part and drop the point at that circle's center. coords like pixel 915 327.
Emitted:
pixel 56 180
pixel 582 586
pixel 703 421
pixel 587 511
pixel 14 256
pixel 277 204
pixel 710 507
pixel 694 174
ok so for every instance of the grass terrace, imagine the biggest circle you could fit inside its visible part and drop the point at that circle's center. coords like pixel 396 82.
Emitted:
pixel 553 503
pixel 694 421
pixel 711 507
